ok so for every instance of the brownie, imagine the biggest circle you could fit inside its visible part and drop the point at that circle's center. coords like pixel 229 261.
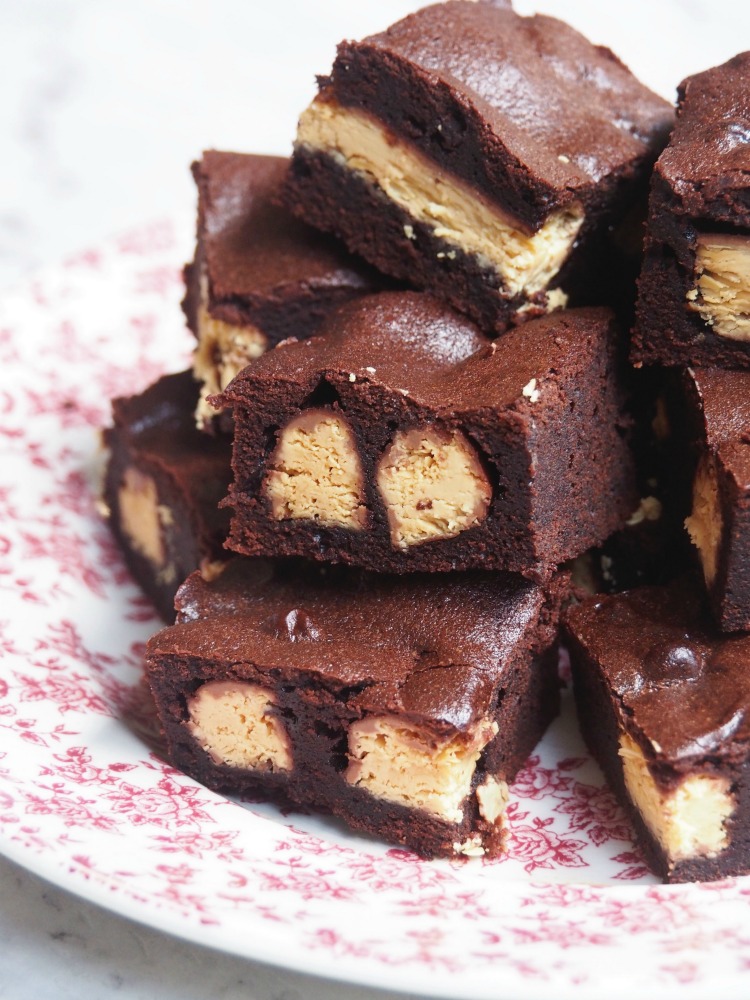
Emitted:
pixel 663 702
pixel 717 402
pixel 402 439
pixel 402 705
pixel 162 487
pixel 694 291
pixel 487 157
pixel 259 274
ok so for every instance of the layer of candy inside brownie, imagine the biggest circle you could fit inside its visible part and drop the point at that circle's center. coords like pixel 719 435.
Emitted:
pixel 483 439
pixel 663 701
pixel 403 707
pixel 163 484
pixel 259 274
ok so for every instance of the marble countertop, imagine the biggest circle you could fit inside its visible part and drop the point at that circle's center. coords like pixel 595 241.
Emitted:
pixel 102 107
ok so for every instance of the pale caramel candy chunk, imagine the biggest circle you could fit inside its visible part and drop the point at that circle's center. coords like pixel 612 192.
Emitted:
pixel 234 723
pixel 722 291
pixel 405 763
pixel 433 485
pixel 315 472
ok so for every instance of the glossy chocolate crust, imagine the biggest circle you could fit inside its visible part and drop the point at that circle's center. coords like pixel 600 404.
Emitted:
pixel 651 662
pixel 701 183
pixel 523 109
pixel 511 95
pixel 264 267
pixel 155 433
pixel 559 446
pixel 718 408
pixel 334 646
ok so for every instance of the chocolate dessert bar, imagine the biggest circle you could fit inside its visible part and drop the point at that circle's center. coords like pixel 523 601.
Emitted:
pixel 694 291
pixel 481 155
pixel 259 274
pixel 402 705
pixel 402 439
pixel 162 487
pixel 663 704
pixel 718 405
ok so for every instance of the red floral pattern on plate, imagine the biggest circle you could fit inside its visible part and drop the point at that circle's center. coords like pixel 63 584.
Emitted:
pixel 86 799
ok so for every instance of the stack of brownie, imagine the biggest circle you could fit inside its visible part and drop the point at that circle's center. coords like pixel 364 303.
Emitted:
pixel 410 337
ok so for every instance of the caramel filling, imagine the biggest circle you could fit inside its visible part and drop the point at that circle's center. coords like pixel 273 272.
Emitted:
pixel 455 212
pixel 223 351
pixel 433 485
pixel 722 291
pixel 689 821
pixel 705 524
pixel 315 472
pixel 402 762
pixel 233 722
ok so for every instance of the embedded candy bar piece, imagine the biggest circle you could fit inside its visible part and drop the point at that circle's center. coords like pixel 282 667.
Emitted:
pixel 259 274
pixel 694 290
pixel 402 705
pixel 481 155
pixel 663 704
pixel 718 407
pixel 402 439
pixel 162 488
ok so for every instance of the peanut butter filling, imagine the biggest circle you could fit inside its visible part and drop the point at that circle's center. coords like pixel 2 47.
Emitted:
pixel 142 517
pixel 689 821
pixel 233 722
pixel 315 472
pixel 401 762
pixel 705 524
pixel 223 351
pixel 455 212
pixel 722 291
pixel 433 485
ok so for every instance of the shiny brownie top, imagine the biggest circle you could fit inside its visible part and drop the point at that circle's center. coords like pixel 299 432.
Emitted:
pixel 685 686
pixel 707 161
pixel 159 425
pixel 432 646
pixel 411 343
pixel 252 248
pixel 567 110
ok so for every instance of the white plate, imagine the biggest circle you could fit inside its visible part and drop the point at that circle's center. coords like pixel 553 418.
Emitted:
pixel 87 801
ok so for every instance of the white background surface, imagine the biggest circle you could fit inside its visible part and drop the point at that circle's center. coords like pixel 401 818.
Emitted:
pixel 102 107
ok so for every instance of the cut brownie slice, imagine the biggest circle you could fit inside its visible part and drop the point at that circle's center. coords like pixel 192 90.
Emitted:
pixel 163 484
pixel 402 705
pixel 481 155
pixel 259 274
pixel 663 704
pixel 718 407
pixel 402 439
pixel 694 291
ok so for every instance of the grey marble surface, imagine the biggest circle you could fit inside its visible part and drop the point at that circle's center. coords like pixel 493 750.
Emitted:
pixel 54 945
pixel 102 106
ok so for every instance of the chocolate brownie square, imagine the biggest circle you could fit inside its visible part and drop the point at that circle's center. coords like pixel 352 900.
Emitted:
pixel 694 291
pixel 718 406
pixel 162 487
pixel 663 703
pixel 484 156
pixel 259 274
pixel 402 705
pixel 402 439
